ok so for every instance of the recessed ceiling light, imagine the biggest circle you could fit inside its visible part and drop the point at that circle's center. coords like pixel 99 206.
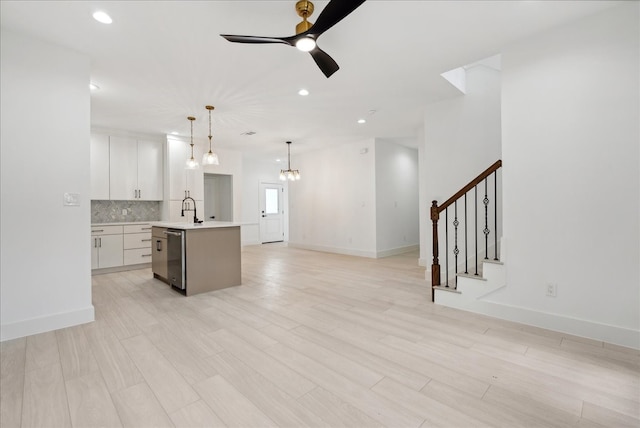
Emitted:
pixel 93 86
pixel 101 16
pixel 303 92
pixel 362 121
pixel 278 160
pixel 174 133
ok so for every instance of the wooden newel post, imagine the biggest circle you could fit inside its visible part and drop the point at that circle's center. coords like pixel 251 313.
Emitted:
pixel 435 266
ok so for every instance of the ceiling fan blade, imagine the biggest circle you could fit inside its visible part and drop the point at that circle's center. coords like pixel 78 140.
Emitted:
pixel 256 39
pixel 324 61
pixel 333 13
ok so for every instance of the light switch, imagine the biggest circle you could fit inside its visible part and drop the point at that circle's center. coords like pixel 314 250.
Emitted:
pixel 71 200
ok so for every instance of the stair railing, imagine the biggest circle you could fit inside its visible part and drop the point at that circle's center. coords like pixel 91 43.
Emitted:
pixel 436 210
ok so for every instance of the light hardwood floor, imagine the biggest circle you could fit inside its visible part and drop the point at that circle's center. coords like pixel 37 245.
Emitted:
pixel 309 339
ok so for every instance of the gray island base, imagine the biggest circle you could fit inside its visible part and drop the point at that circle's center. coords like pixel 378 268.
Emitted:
pixel 209 258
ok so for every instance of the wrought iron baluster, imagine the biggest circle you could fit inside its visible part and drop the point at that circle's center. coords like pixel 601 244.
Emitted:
pixel 475 229
pixel 495 214
pixel 466 256
pixel 486 230
pixel 446 245
pixel 456 251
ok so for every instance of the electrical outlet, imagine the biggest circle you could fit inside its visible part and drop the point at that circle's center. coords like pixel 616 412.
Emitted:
pixel 124 211
pixel 552 290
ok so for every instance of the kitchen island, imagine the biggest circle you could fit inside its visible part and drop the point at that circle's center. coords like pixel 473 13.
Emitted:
pixel 197 258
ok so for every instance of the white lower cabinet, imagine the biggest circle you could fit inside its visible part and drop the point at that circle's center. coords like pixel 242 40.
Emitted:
pixel 106 247
pixel 113 246
pixel 137 244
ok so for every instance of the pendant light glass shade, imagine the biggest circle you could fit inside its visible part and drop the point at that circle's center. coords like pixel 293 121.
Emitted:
pixel 192 163
pixel 210 158
pixel 289 174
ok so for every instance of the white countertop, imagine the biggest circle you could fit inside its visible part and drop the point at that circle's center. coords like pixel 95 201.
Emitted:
pixel 191 226
pixel 122 223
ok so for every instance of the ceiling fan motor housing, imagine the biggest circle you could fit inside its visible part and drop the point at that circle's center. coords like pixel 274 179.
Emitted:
pixel 304 9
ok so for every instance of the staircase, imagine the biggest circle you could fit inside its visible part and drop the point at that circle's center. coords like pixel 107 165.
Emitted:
pixel 474 210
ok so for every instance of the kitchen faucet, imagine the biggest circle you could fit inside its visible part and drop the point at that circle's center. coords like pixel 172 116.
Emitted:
pixel 195 216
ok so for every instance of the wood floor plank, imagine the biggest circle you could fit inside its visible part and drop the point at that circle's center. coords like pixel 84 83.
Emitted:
pixel 45 398
pixel 281 375
pixel 233 408
pixel 76 356
pixel 607 417
pixel 196 414
pixel 90 403
pixel 118 370
pixel 183 355
pixel 310 339
pixel 42 351
pixel 11 392
pixel 165 381
pixel 138 407
pixel 388 368
pixel 336 412
pixel 375 406
pixel 326 356
pixel 279 406
pixel 434 412
pixel 12 357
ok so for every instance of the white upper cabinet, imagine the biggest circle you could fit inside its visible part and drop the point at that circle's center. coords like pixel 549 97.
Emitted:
pixel 150 168
pixel 136 169
pixel 99 167
pixel 123 157
pixel 183 181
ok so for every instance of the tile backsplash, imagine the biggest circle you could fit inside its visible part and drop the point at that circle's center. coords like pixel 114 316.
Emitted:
pixel 112 211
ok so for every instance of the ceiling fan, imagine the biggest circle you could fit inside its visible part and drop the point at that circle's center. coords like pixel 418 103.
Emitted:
pixel 307 33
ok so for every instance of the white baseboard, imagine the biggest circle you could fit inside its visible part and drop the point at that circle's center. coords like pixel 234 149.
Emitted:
pixel 335 250
pixel 574 326
pixel 396 251
pixel 46 323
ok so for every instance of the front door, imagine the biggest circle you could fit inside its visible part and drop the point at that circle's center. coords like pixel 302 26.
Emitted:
pixel 272 213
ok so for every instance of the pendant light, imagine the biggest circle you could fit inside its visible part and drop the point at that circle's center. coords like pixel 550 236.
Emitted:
pixel 210 158
pixel 289 174
pixel 192 163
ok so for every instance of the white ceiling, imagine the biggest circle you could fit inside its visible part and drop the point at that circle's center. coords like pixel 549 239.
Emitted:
pixel 161 61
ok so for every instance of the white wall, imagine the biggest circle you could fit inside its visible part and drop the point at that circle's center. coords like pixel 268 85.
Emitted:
pixel 332 208
pixel 255 172
pixel 462 137
pixel 45 252
pixel 396 177
pixel 570 103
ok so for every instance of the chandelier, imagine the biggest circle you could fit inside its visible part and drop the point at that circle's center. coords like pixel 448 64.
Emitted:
pixel 289 174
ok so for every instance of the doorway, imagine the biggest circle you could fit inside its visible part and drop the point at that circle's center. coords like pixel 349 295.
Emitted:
pixel 271 212
pixel 218 197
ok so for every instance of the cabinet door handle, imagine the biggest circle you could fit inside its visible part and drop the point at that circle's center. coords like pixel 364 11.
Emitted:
pixel 146 240
pixel 95 242
pixel 158 245
pixel 146 228
pixel 146 255
pixel 97 230
pixel 139 194
pixel 99 242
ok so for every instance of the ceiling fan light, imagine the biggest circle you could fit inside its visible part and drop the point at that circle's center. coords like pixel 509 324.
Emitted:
pixel 305 44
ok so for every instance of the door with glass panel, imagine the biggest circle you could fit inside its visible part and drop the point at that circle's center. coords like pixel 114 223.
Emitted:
pixel 271 213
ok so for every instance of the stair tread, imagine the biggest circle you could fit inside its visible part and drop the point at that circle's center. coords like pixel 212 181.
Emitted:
pixel 443 288
pixel 492 261
pixel 472 276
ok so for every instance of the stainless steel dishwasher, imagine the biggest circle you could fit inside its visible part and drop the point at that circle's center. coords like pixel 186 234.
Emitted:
pixel 176 263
